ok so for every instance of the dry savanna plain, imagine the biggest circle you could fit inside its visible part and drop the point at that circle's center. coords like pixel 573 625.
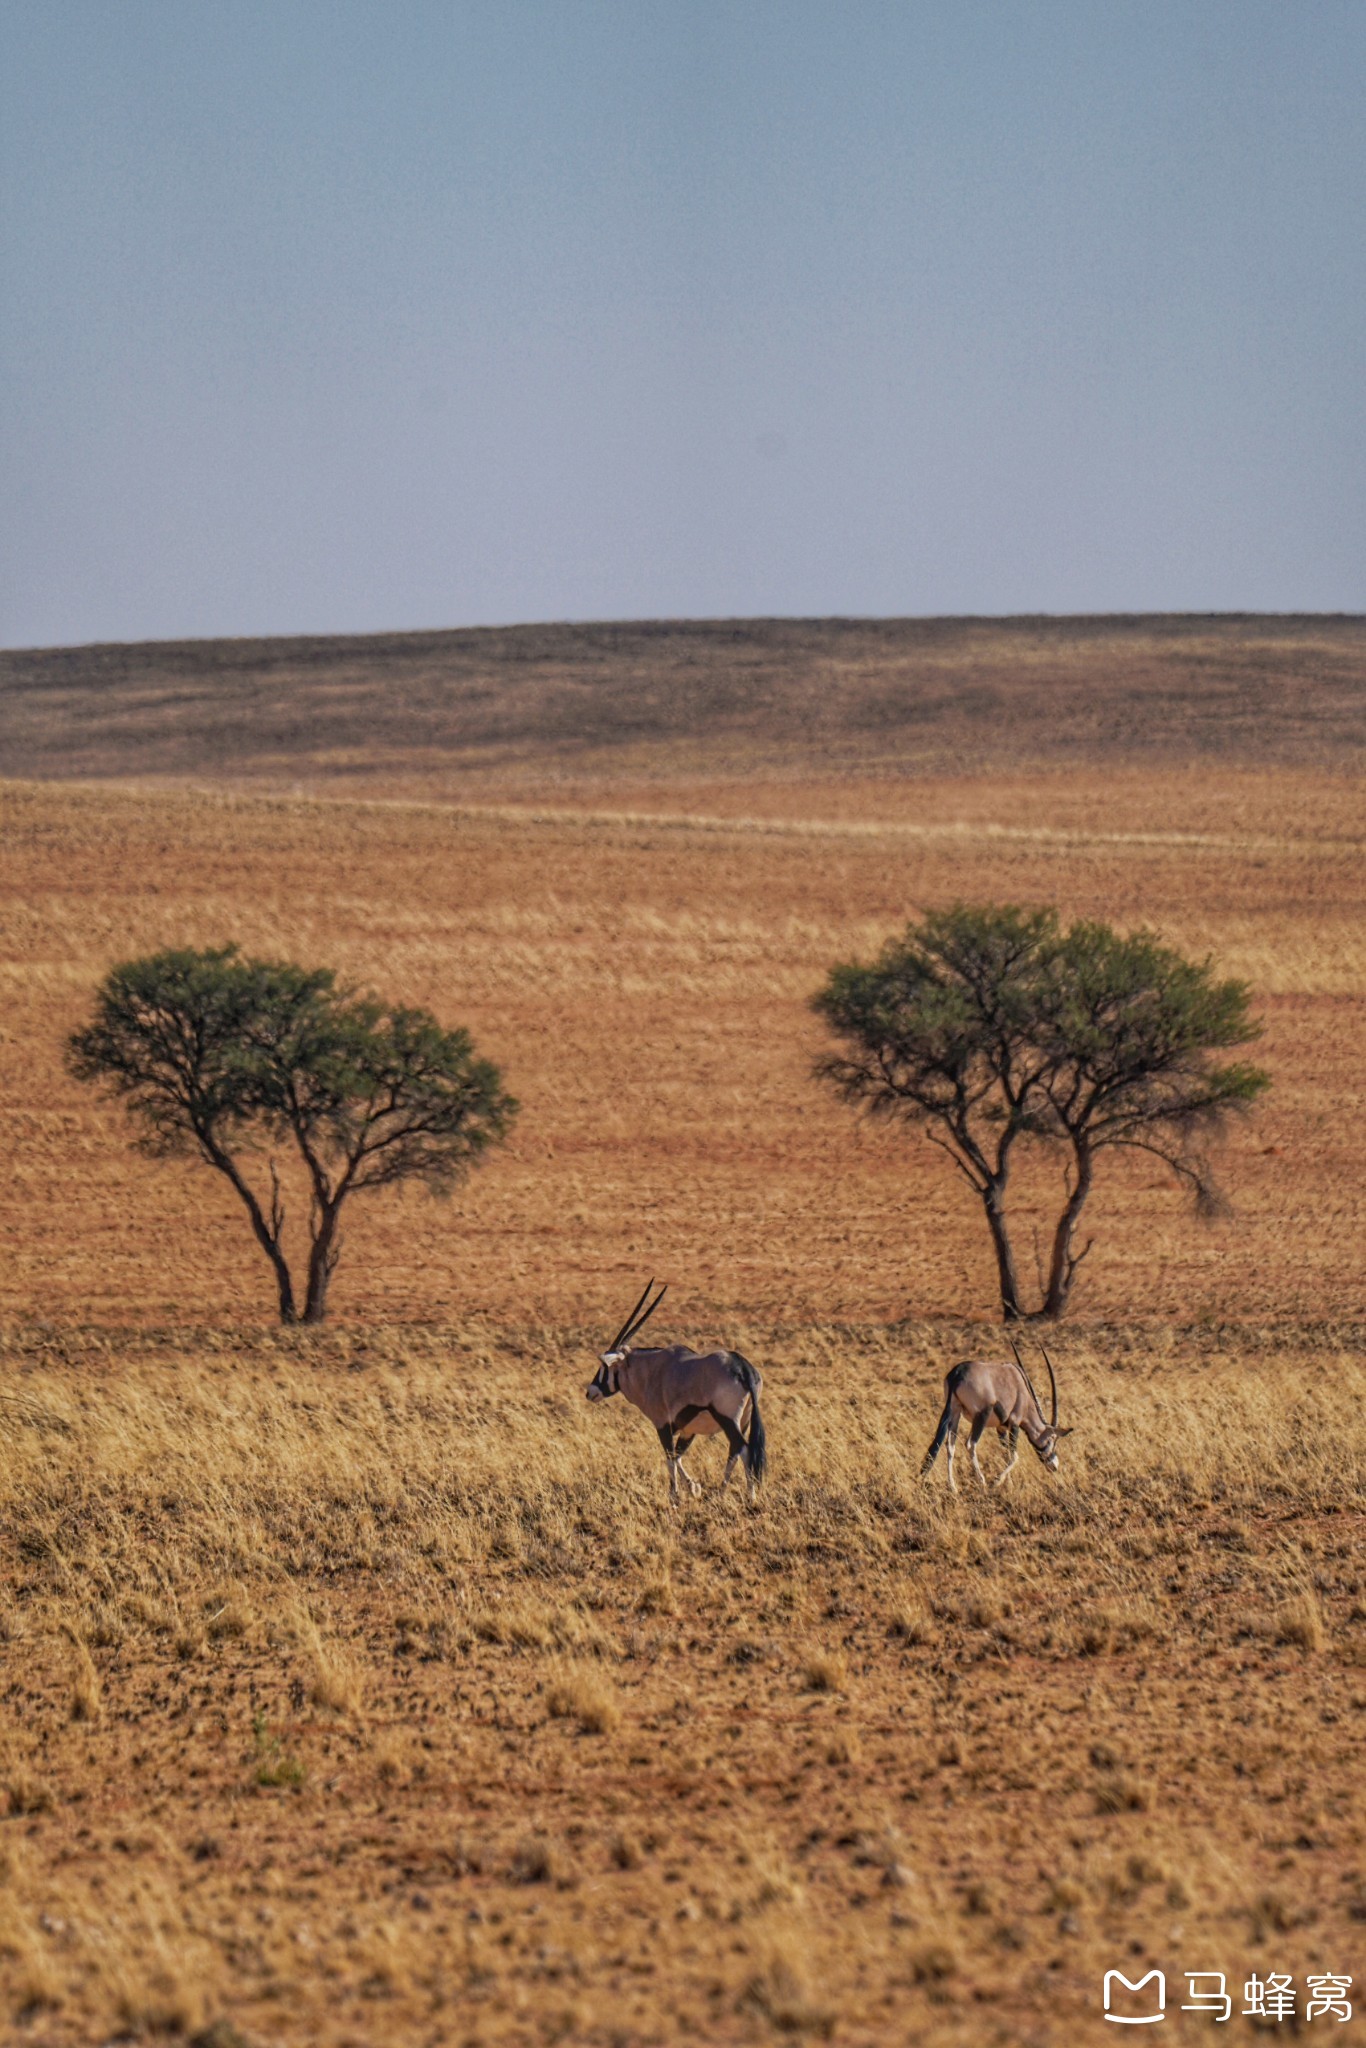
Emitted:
pixel 360 1685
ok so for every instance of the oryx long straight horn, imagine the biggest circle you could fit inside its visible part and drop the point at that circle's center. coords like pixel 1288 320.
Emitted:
pixel 1054 1385
pixel 1027 1380
pixel 636 1320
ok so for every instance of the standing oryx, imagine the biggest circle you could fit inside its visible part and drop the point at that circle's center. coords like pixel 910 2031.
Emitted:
pixel 686 1394
pixel 984 1392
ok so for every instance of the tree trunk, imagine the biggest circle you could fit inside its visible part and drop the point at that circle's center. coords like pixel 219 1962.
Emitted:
pixel 288 1312
pixel 267 1234
pixel 270 1245
pixel 992 1201
pixel 1062 1266
pixel 322 1260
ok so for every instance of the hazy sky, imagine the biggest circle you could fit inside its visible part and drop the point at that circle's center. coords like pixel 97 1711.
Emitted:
pixel 347 316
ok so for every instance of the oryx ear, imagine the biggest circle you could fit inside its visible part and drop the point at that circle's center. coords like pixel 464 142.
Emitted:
pixel 1067 1431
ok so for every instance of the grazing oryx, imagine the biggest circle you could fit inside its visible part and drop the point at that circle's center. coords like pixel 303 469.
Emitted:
pixel 686 1394
pixel 1004 1394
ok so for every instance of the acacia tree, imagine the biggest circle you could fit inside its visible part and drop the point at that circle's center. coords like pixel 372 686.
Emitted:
pixel 984 1025
pixel 212 1053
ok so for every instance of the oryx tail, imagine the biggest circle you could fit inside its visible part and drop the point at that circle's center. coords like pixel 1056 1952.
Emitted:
pixel 757 1447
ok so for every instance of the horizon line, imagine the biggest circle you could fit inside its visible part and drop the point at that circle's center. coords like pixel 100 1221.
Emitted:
pixel 703 619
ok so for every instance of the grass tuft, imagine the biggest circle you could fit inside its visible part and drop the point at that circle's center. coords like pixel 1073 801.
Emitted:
pixel 1300 1621
pixel 825 1671
pixel 583 1693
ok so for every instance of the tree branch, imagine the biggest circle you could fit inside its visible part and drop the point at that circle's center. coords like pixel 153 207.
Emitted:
pixel 1074 1259
pixel 947 1149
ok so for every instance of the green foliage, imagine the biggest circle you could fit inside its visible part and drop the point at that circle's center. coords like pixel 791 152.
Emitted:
pixel 1129 1026
pixel 185 1039
pixel 987 1023
pixel 211 1053
pixel 939 1023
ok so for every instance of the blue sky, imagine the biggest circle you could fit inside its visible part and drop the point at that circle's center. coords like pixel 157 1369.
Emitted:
pixel 340 317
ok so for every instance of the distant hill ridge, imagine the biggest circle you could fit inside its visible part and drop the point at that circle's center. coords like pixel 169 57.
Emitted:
pixel 892 696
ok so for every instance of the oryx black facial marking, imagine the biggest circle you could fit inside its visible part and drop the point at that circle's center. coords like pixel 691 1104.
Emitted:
pixel 603 1384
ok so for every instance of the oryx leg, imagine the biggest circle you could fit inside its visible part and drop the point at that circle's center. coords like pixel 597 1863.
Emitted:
pixel 951 1445
pixel 684 1445
pixel 1012 1436
pixel 682 1421
pixel 666 1437
pixel 979 1423
pixel 739 1451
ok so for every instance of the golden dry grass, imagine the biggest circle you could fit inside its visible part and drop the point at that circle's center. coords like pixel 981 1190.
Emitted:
pixel 897 1767
pixel 361 1686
